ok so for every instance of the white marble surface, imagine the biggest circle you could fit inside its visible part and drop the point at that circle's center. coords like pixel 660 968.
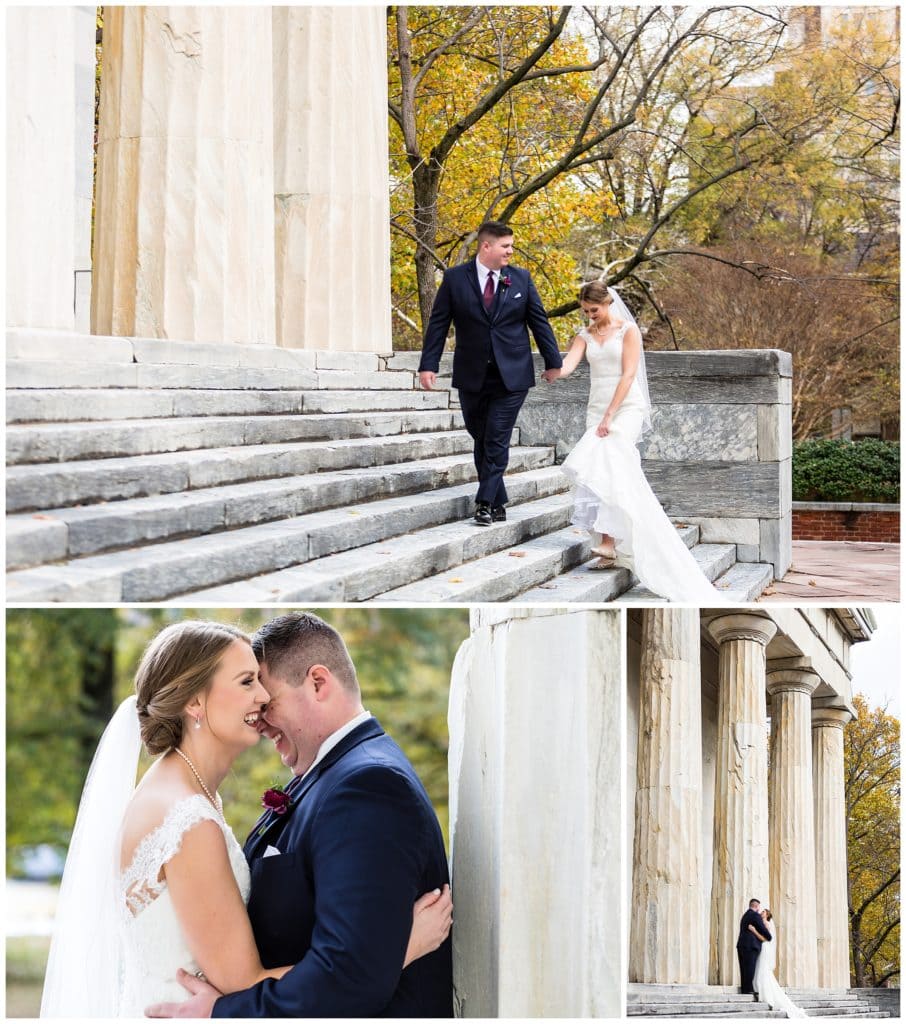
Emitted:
pixel 534 810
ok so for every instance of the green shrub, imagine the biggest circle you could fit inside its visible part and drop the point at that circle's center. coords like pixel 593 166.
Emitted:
pixel 846 471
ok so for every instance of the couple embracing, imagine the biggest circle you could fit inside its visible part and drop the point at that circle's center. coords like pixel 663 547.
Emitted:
pixel 757 953
pixel 338 905
pixel 493 306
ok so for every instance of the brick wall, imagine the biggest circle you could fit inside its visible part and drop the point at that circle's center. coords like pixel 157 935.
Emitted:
pixel 838 521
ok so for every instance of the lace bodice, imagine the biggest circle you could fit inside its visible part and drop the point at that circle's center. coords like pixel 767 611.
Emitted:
pixel 153 943
pixel 605 361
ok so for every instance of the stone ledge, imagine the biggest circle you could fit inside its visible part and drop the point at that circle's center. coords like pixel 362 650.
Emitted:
pixel 844 506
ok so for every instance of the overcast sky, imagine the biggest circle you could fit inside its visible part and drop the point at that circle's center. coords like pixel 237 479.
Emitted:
pixel 876 663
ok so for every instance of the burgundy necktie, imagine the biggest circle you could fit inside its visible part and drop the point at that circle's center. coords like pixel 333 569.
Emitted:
pixel 489 291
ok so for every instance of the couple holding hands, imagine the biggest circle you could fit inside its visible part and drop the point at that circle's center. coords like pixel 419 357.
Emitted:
pixel 493 305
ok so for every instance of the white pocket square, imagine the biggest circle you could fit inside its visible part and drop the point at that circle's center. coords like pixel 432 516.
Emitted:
pixel 518 295
pixel 272 851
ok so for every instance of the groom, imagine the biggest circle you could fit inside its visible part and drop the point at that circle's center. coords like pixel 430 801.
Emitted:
pixel 336 874
pixel 752 933
pixel 492 306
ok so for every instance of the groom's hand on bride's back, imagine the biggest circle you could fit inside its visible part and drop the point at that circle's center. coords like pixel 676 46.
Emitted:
pixel 200 1005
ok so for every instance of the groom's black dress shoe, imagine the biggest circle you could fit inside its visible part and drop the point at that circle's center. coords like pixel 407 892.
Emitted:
pixel 498 514
pixel 483 514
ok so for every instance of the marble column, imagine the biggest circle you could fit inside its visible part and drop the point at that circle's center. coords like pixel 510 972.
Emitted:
pixel 831 890
pixel 740 868
pixel 792 825
pixel 535 768
pixel 43 45
pixel 331 184
pixel 668 934
pixel 184 229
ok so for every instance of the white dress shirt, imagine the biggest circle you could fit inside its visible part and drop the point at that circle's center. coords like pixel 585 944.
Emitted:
pixel 483 272
pixel 334 738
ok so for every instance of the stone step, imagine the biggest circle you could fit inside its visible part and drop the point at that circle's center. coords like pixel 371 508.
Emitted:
pixel 59 485
pixel 192 566
pixel 68 442
pixel 376 570
pixel 736 582
pixel 72 404
pixel 501 576
pixel 718 1011
pixel 68 374
pixel 582 584
pixel 63 533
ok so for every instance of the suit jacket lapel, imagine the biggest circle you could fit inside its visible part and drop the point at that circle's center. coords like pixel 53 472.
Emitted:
pixel 499 296
pixel 268 821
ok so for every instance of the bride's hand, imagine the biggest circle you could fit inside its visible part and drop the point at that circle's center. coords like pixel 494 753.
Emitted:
pixel 432 918
pixel 603 428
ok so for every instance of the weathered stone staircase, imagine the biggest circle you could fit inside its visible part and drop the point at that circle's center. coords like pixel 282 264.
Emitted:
pixel 200 474
pixel 717 1002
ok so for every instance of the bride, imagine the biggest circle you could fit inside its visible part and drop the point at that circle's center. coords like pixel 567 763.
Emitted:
pixel 612 497
pixel 764 983
pixel 155 879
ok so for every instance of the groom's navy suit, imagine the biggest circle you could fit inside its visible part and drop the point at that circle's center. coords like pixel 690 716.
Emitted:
pixel 358 846
pixel 748 947
pixel 492 362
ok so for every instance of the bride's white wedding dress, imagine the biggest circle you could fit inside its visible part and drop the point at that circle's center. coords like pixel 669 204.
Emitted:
pixel 612 495
pixel 766 985
pixel 117 942
pixel 152 940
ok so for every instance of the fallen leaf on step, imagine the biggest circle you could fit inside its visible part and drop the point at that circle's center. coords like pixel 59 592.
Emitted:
pixel 812 583
pixel 42 515
pixel 516 554
pixel 352 513
pixel 455 579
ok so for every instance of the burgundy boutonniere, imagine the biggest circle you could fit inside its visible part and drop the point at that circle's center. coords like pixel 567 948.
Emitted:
pixel 505 282
pixel 277 800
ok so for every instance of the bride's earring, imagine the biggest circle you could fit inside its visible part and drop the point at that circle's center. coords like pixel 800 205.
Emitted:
pixel 198 722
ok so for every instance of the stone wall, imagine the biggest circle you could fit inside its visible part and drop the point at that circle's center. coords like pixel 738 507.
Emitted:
pixel 534 814
pixel 720 449
pixel 838 521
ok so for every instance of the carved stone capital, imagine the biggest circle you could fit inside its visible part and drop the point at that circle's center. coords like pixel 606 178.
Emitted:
pixel 742 626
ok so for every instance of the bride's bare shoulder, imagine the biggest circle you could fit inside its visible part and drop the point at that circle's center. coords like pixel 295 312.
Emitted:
pixel 159 791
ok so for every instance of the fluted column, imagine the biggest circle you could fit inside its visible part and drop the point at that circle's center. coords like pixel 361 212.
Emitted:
pixel 830 846
pixel 792 825
pixel 42 143
pixel 184 230
pixel 667 943
pixel 535 700
pixel 331 185
pixel 740 869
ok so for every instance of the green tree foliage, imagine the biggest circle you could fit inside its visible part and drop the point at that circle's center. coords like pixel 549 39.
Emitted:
pixel 872 765
pixel 59 695
pixel 55 659
pixel 827 470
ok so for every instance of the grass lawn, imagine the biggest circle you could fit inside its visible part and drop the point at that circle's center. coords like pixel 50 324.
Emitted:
pixel 26 958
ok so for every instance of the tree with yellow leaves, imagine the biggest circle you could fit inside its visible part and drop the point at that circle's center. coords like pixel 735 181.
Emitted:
pixel 872 767
pixel 505 112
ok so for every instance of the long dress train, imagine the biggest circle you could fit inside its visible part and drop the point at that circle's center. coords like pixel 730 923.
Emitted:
pixel 766 985
pixel 612 495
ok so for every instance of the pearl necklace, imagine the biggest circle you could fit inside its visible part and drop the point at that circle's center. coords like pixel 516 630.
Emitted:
pixel 200 780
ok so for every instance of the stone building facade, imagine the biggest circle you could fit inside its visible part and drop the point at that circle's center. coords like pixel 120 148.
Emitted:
pixel 736 789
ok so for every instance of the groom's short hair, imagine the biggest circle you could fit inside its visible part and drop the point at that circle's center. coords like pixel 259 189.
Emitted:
pixel 290 644
pixel 494 229
pixel 753 900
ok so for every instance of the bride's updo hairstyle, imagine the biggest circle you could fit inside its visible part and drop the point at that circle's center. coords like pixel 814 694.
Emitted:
pixel 177 664
pixel 768 916
pixel 595 291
